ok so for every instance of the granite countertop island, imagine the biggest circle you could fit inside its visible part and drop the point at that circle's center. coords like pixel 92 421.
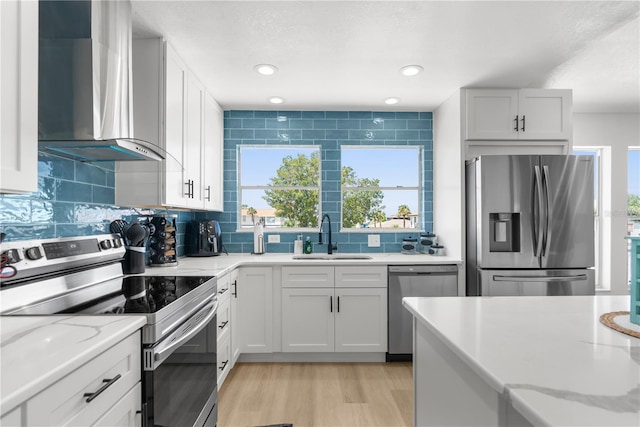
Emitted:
pixel 523 361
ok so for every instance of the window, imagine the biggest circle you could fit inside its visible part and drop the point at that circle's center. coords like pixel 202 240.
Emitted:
pixel 633 201
pixel 280 184
pixel 596 153
pixel 381 187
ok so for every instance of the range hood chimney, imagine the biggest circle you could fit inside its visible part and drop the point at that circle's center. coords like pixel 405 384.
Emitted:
pixel 85 106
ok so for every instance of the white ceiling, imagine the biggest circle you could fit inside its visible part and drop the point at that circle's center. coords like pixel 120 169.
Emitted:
pixel 346 55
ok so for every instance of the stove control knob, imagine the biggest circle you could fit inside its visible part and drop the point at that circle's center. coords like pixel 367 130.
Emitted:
pixel 117 243
pixel 33 253
pixel 105 244
pixel 13 255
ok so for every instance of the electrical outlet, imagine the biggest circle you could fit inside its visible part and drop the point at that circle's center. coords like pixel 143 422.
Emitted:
pixel 374 240
pixel 273 238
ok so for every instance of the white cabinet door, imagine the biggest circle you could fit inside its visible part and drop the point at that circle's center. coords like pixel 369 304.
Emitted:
pixel 308 320
pixel 255 295
pixel 212 155
pixel 545 114
pixel 175 86
pixel 224 360
pixel 361 320
pixel 235 320
pixel 194 141
pixel 491 114
pixel 19 96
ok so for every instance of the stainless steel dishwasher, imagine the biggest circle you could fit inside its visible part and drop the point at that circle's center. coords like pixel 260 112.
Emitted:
pixel 413 281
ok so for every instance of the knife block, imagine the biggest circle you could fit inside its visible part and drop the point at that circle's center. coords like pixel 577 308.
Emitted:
pixel 162 243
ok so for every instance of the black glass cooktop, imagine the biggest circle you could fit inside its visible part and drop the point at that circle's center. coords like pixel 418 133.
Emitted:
pixel 142 294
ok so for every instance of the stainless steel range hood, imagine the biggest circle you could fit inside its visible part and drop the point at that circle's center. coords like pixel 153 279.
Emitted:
pixel 85 108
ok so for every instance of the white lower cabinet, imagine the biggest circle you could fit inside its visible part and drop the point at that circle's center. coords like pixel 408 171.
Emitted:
pixel 104 391
pixel 333 317
pixel 307 319
pixel 255 309
pixel 224 360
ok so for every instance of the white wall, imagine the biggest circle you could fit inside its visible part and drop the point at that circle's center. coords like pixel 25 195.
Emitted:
pixel 448 180
pixel 619 132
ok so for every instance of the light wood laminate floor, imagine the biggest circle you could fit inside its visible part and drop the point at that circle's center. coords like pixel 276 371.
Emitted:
pixel 317 394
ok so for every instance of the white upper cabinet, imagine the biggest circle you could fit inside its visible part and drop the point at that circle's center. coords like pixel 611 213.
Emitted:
pixel 512 114
pixel 172 110
pixel 19 96
pixel 212 155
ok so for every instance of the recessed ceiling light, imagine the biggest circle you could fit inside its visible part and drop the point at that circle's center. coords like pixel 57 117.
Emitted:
pixel 276 100
pixel 266 69
pixel 391 101
pixel 411 70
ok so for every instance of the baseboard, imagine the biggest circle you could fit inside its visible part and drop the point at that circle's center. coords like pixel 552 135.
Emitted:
pixel 312 357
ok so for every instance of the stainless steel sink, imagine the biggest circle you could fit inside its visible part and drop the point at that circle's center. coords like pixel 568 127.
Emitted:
pixel 332 256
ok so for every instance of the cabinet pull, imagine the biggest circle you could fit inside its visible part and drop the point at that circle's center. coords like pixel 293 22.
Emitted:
pixel 224 364
pixel 523 123
pixel 235 288
pixel 208 193
pixel 338 304
pixel 222 291
pixel 330 304
pixel 223 324
pixel 189 185
pixel 516 128
pixel 108 383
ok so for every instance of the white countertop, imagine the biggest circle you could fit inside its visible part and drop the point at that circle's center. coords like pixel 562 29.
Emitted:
pixel 551 356
pixel 36 351
pixel 221 264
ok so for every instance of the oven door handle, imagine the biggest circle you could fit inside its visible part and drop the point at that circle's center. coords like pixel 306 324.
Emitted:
pixel 162 352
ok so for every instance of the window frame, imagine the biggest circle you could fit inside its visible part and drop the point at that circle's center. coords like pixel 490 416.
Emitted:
pixel 241 188
pixel 629 218
pixel 419 188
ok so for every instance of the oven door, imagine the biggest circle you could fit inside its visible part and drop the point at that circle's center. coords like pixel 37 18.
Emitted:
pixel 180 374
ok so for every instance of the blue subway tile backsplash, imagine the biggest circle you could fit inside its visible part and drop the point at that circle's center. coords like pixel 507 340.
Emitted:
pixel 73 199
pixel 78 198
pixel 329 130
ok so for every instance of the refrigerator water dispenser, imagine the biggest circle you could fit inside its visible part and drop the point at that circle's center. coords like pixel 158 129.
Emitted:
pixel 505 232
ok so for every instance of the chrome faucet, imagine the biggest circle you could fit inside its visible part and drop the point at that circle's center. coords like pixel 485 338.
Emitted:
pixel 330 247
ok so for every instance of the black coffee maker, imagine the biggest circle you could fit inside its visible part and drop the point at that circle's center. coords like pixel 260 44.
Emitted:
pixel 203 238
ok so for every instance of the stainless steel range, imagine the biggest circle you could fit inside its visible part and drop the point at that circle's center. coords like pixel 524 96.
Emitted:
pixel 83 276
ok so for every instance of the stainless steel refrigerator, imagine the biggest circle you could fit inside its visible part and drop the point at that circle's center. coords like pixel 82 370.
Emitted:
pixel 530 225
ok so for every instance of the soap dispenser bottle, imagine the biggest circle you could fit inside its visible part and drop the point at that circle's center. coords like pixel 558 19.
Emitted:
pixel 308 248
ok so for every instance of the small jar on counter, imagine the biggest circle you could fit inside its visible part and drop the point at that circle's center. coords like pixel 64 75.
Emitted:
pixel 409 245
pixel 426 241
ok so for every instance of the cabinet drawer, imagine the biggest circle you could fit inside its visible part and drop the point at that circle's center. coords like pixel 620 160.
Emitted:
pixel 224 359
pixel 127 412
pixel 224 288
pixel 361 277
pixel 64 403
pixel 307 277
pixel 223 319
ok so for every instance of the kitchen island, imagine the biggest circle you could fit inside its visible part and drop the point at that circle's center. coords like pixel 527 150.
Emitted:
pixel 523 361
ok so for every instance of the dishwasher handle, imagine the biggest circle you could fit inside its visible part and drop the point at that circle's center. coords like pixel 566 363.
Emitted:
pixel 423 269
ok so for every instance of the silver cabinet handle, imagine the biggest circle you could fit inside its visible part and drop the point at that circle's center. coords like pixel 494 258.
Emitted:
pixel 108 383
pixel 516 120
pixel 208 193
pixel 522 123
pixel 545 279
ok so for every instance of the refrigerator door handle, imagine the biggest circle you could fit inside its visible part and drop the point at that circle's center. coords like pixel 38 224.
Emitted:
pixel 548 210
pixel 497 278
pixel 537 213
